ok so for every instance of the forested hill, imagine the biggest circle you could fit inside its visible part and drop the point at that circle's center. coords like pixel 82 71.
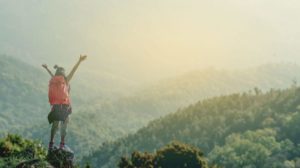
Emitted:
pixel 21 94
pixel 100 109
pixel 112 119
pixel 24 88
pixel 24 102
pixel 252 129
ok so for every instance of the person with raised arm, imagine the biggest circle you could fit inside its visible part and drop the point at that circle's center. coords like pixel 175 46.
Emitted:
pixel 59 99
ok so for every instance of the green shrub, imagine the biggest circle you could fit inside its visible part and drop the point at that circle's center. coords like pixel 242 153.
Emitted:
pixel 14 149
pixel 174 155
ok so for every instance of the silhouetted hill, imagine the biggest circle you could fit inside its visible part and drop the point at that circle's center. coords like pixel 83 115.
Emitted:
pixel 170 94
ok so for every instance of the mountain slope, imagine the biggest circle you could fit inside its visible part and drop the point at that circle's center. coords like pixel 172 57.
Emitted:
pixel 208 123
pixel 21 94
pixel 168 95
pixel 24 102
pixel 102 110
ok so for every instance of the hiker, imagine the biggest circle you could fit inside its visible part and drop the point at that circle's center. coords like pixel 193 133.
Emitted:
pixel 59 99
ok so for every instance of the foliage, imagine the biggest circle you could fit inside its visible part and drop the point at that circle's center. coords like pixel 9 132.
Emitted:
pixel 291 127
pixel 251 149
pixel 107 110
pixel 174 155
pixel 238 129
pixel 14 149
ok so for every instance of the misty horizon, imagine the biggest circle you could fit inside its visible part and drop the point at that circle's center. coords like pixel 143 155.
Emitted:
pixel 151 40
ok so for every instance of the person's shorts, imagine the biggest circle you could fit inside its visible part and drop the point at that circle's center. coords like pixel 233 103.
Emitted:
pixel 59 112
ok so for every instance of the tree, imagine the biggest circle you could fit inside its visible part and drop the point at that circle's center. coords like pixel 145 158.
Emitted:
pixel 174 155
pixel 251 149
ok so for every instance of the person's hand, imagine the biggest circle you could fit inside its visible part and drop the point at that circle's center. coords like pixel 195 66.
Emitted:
pixel 45 66
pixel 82 57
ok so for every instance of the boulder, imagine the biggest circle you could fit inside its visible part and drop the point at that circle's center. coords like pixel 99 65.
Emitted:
pixel 61 158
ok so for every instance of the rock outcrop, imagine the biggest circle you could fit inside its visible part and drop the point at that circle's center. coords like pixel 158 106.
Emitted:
pixel 61 158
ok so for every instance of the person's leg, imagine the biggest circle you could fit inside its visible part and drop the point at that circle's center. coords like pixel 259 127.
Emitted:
pixel 53 132
pixel 63 131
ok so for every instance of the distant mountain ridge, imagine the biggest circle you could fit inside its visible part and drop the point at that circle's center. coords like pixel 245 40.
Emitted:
pixel 168 95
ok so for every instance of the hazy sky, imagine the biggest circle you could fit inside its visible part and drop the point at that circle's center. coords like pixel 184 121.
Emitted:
pixel 143 38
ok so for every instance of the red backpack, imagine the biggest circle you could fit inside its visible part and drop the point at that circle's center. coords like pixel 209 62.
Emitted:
pixel 58 91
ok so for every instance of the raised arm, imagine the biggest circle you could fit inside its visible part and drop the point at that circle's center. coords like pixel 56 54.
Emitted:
pixel 81 58
pixel 46 67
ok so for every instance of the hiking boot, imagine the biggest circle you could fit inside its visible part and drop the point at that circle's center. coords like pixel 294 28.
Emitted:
pixel 51 146
pixel 61 145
